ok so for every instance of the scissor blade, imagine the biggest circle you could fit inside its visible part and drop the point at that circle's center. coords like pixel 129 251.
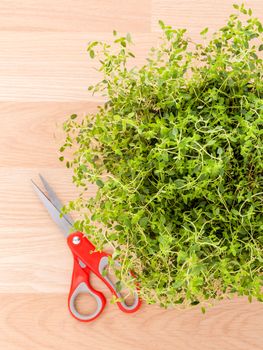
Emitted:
pixel 64 225
pixel 54 198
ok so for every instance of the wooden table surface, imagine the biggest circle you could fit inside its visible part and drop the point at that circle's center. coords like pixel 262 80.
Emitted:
pixel 45 72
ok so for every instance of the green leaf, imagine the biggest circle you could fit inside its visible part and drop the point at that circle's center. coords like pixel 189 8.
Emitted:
pixel 99 183
pixel 220 151
pixel 93 217
pixel 92 53
pixel 181 257
pixel 161 24
pixel 179 183
pixel 143 221
pixel 118 228
pixel 260 47
pixel 128 38
pixel 204 31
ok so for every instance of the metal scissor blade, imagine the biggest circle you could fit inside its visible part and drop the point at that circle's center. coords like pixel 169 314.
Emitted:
pixel 55 214
pixel 54 198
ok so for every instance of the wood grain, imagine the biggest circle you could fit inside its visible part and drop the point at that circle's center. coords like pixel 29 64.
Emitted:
pixel 75 16
pixel 25 125
pixel 46 66
pixel 196 15
pixel 45 72
pixel 41 321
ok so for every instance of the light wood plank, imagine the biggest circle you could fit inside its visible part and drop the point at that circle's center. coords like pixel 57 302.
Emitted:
pixel 34 256
pixel 41 321
pixel 32 133
pixel 75 16
pixel 45 71
pixel 196 15
pixel 48 66
pixel 33 252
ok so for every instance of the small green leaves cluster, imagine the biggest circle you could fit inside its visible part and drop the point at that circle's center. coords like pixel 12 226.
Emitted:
pixel 176 153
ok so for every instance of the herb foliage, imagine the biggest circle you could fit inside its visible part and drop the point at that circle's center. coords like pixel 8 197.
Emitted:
pixel 180 140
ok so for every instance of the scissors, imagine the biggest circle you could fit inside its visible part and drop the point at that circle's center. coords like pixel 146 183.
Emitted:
pixel 86 260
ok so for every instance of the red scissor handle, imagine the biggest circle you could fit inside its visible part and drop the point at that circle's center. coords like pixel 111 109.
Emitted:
pixel 86 259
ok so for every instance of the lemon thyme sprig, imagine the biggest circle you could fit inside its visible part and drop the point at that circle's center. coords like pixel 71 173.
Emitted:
pixel 176 153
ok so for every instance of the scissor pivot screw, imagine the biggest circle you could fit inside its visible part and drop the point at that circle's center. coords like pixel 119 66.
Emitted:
pixel 76 240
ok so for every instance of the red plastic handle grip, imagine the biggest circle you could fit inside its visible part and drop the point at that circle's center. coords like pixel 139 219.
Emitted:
pixel 83 250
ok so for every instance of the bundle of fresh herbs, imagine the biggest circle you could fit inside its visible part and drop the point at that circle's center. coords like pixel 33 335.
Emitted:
pixel 176 152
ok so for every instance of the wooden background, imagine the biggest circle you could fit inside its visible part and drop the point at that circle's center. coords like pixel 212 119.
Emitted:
pixel 44 74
